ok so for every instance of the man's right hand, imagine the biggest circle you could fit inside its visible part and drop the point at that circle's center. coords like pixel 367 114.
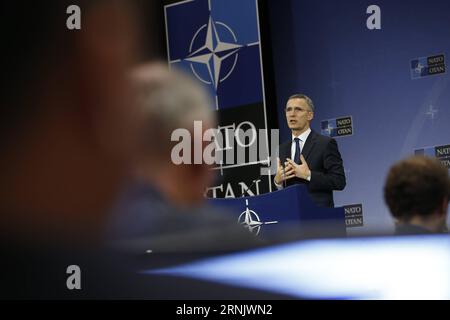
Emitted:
pixel 287 174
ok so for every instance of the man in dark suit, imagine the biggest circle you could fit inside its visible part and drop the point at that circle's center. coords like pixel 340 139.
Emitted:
pixel 309 158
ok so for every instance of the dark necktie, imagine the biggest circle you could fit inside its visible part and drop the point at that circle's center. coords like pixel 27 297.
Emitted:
pixel 297 151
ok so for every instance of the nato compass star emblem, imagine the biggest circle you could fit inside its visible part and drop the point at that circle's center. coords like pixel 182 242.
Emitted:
pixel 329 129
pixel 419 68
pixel 431 112
pixel 250 220
pixel 213 53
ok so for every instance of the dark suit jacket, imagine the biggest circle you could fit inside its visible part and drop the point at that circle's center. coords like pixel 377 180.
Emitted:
pixel 409 229
pixel 327 171
pixel 144 219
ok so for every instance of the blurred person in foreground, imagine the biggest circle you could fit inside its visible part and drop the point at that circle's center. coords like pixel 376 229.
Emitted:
pixel 417 191
pixel 68 135
pixel 164 209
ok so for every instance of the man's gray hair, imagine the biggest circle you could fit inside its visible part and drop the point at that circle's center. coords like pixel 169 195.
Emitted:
pixel 304 97
pixel 172 96
pixel 170 100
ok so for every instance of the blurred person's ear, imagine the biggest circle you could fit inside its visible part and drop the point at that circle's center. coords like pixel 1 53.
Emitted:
pixel 442 215
pixel 444 207
pixel 201 177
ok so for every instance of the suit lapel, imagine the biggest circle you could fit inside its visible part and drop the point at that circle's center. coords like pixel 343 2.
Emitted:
pixel 309 143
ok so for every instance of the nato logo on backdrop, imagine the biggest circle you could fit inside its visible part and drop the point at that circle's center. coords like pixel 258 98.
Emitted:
pixel 338 127
pixel 442 153
pixel 217 41
pixel 427 66
pixel 354 215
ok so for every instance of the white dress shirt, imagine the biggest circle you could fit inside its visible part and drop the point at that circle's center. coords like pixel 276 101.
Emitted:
pixel 302 137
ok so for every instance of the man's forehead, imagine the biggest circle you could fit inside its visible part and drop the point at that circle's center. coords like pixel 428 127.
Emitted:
pixel 297 102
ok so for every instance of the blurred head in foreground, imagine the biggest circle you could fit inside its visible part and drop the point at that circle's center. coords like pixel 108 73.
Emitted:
pixel 176 112
pixel 164 208
pixel 68 121
pixel 417 192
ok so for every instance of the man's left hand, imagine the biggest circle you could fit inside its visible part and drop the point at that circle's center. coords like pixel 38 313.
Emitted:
pixel 301 170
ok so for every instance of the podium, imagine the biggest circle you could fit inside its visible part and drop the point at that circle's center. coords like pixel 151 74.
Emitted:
pixel 270 213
